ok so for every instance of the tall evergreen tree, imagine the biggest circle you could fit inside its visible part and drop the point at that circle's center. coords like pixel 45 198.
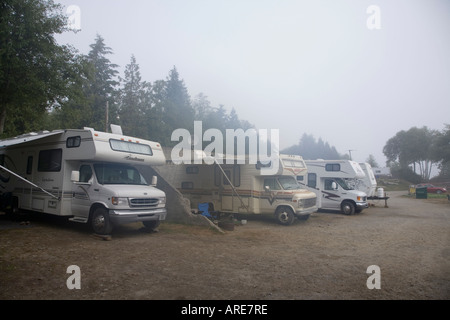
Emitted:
pixel 177 109
pixel 134 101
pixel 102 89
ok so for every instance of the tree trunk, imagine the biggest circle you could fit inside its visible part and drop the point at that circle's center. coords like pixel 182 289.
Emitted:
pixel 2 119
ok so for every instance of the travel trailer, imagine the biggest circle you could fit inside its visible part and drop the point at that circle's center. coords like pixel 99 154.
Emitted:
pixel 367 184
pixel 85 175
pixel 243 188
pixel 327 178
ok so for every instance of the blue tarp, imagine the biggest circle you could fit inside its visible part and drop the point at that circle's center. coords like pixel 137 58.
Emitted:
pixel 203 208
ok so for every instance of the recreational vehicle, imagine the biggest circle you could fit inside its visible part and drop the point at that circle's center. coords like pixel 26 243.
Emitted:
pixel 367 184
pixel 327 178
pixel 243 188
pixel 85 175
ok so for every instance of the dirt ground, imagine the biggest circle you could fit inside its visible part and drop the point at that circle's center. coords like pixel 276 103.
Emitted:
pixel 325 257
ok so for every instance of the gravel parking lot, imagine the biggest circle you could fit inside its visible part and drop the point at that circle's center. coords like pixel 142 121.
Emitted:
pixel 325 257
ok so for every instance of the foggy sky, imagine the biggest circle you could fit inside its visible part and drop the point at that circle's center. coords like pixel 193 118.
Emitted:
pixel 298 66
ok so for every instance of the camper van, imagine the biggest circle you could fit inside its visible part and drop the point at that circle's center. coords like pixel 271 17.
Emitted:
pixel 327 178
pixel 243 188
pixel 85 175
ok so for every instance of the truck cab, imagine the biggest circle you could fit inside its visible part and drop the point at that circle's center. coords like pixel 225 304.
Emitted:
pixel 109 194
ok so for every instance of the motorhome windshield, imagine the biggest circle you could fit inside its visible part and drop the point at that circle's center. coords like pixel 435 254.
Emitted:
pixel 288 183
pixel 343 184
pixel 118 174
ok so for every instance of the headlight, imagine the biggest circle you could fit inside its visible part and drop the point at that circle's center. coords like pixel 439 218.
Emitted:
pixel 301 202
pixel 119 201
pixel 162 201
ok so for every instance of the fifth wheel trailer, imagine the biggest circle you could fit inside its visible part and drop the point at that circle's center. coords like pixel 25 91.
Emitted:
pixel 84 175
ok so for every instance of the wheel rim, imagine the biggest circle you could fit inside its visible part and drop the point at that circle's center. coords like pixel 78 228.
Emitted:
pixel 283 216
pixel 346 208
pixel 99 222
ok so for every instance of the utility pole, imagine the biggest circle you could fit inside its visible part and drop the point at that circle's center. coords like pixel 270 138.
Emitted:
pixel 350 153
pixel 106 116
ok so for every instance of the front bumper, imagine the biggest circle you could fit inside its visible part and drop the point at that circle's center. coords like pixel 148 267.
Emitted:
pixel 130 216
pixel 307 211
pixel 361 205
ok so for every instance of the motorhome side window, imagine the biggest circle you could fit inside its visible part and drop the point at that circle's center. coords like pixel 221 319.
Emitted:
pixel 192 170
pixel 187 185
pixel 50 160
pixel 260 165
pixel 85 173
pixel 132 147
pixel 332 167
pixel 312 180
pixel 329 184
pixel 272 184
pixel 225 180
pixel 73 142
pixel 30 165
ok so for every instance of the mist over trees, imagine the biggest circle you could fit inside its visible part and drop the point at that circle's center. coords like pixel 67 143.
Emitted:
pixel 44 85
pixel 415 151
pixel 311 149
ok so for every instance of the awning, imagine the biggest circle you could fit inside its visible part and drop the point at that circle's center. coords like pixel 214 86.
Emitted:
pixel 28 137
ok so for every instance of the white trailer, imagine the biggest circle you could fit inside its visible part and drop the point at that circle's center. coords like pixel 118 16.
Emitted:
pixel 85 175
pixel 367 184
pixel 327 178
pixel 243 188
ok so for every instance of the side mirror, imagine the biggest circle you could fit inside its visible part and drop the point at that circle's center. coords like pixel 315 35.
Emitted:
pixel 75 176
pixel 154 181
pixel 267 188
pixel 334 185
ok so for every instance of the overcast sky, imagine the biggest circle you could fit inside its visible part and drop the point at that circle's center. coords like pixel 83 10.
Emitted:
pixel 300 66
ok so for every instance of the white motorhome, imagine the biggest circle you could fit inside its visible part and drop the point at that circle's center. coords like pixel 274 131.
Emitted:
pixel 327 178
pixel 243 188
pixel 85 175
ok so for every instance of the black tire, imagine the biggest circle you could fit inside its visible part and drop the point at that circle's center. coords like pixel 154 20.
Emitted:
pixel 151 224
pixel 100 222
pixel 348 208
pixel 12 210
pixel 285 216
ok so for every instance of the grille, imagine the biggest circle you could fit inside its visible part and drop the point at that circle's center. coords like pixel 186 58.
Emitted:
pixel 144 202
pixel 309 203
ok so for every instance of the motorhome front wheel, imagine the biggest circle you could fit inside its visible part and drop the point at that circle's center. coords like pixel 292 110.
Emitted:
pixel 348 208
pixel 152 224
pixel 285 216
pixel 100 221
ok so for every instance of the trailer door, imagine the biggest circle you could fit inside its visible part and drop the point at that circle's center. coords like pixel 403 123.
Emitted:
pixel 228 186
